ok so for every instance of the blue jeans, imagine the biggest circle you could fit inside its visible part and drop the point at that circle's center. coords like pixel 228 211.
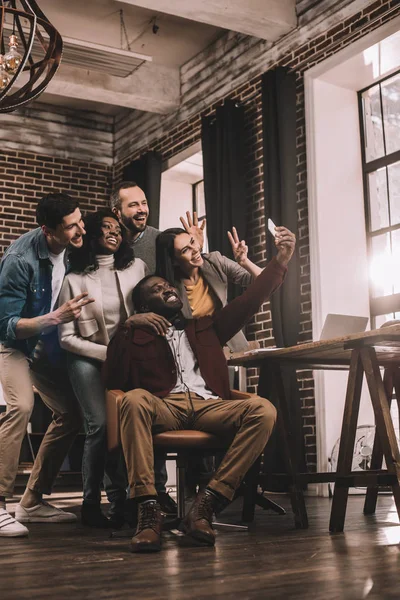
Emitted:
pixel 97 463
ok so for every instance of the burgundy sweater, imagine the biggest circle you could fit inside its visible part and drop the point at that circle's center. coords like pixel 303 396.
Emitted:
pixel 139 359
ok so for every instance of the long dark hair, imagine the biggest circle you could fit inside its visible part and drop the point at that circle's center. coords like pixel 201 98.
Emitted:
pixel 165 255
pixel 84 259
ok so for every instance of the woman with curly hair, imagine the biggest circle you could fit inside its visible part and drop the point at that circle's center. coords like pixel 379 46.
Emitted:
pixel 104 267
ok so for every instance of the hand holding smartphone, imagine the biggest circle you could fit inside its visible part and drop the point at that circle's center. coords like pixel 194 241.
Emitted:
pixel 272 227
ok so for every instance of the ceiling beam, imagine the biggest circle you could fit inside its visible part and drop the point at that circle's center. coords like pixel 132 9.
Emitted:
pixel 265 19
pixel 151 88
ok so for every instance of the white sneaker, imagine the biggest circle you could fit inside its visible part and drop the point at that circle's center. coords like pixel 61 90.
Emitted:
pixel 9 527
pixel 43 513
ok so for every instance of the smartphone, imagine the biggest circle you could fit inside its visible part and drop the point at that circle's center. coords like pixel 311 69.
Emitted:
pixel 271 227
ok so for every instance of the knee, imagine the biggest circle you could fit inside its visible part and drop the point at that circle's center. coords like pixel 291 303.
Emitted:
pixel 72 420
pixel 96 427
pixel 135 400
pixel 21 412
pixel 265 413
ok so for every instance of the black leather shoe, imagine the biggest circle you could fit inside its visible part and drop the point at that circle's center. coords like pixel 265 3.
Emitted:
pixel 167 504
pixel 131 512
pixel 91 516
pixel 116 514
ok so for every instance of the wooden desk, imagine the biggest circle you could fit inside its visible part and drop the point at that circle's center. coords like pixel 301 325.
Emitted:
pixel 362 353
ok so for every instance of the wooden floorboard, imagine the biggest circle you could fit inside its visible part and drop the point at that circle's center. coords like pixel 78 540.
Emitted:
pixel 272 560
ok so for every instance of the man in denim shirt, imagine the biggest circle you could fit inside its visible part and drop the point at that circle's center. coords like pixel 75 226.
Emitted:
pixel 31 274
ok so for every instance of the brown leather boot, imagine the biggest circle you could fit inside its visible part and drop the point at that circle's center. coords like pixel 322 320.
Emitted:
pixel 148 532
pixel 197 523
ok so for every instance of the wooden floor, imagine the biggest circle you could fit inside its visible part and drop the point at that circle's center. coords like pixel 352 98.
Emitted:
pixel 273 560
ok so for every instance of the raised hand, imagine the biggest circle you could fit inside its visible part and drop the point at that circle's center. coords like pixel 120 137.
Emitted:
pixel 71 310
pixel 285 241
pixel 191 226
pixel 239 248
pixel 150 321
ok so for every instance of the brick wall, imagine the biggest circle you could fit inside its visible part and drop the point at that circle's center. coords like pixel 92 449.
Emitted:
pixel 187 133
pixel 25 177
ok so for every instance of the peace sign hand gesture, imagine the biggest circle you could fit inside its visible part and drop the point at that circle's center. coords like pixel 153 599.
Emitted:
pixel 239 247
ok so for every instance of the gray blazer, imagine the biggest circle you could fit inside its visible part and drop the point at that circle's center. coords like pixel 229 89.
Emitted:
pixel 218 271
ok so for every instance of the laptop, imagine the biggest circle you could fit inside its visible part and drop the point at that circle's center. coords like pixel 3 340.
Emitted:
pixel 334 326
pixel 340 325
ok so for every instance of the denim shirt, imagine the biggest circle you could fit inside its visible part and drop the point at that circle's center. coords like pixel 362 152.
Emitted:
pixel 25 287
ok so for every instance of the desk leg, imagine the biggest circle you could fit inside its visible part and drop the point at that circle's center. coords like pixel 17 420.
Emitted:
pixel 347 439
pixel 295 491
pixel 371 495
pixel 383 418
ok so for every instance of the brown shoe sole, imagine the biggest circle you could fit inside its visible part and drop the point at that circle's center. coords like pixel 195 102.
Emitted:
pixel 145 547
pixel 198 536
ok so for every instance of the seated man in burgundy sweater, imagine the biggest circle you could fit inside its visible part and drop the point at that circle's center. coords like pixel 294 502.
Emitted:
pixel 175 376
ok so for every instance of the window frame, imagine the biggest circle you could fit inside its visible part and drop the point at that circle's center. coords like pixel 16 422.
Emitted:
pixel 379 305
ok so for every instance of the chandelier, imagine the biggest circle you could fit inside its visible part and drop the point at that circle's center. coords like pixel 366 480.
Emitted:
pixel 30 53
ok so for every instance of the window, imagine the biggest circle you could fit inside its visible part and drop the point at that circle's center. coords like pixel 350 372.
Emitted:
pixel 199 206
pixel 380 132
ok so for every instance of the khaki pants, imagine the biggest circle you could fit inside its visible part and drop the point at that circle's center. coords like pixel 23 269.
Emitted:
pixel 246 423
pixel 16 378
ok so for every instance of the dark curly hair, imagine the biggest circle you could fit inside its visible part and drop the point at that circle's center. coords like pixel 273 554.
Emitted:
pixel 165 254
pixel 84 258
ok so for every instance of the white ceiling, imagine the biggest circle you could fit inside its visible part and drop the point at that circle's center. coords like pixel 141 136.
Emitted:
pixel 189 28
pixel 176 41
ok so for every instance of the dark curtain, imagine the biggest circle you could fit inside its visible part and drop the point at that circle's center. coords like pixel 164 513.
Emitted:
pixel 222 137
pixel 146 172
pixel 279 144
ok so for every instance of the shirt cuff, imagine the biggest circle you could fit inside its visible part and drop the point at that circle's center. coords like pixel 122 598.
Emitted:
pixel 12 328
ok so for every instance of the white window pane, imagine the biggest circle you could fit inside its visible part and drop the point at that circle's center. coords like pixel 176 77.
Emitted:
pixel 381 272
pixel 394 192
pixel 391 112
pixel 381 319
pixel 373 133
pixel 378 199
pixel 396 260
pixel 200 200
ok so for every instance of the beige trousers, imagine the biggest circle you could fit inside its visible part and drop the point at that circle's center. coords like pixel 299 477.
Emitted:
pixel 247 424
pixel 16 378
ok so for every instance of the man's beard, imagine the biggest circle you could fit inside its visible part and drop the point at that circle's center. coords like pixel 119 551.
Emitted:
pixel 130 224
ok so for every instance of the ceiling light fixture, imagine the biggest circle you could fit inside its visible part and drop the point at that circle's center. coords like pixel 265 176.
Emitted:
pixel 33 72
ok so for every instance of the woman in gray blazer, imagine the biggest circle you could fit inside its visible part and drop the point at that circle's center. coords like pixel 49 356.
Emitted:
pixel 104 267
pixel 202 279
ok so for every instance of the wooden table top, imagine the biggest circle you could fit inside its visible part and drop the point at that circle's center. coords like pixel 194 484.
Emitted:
pixel 328 354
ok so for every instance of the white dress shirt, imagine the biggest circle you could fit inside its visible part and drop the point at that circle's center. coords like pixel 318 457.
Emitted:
pixel 188 372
